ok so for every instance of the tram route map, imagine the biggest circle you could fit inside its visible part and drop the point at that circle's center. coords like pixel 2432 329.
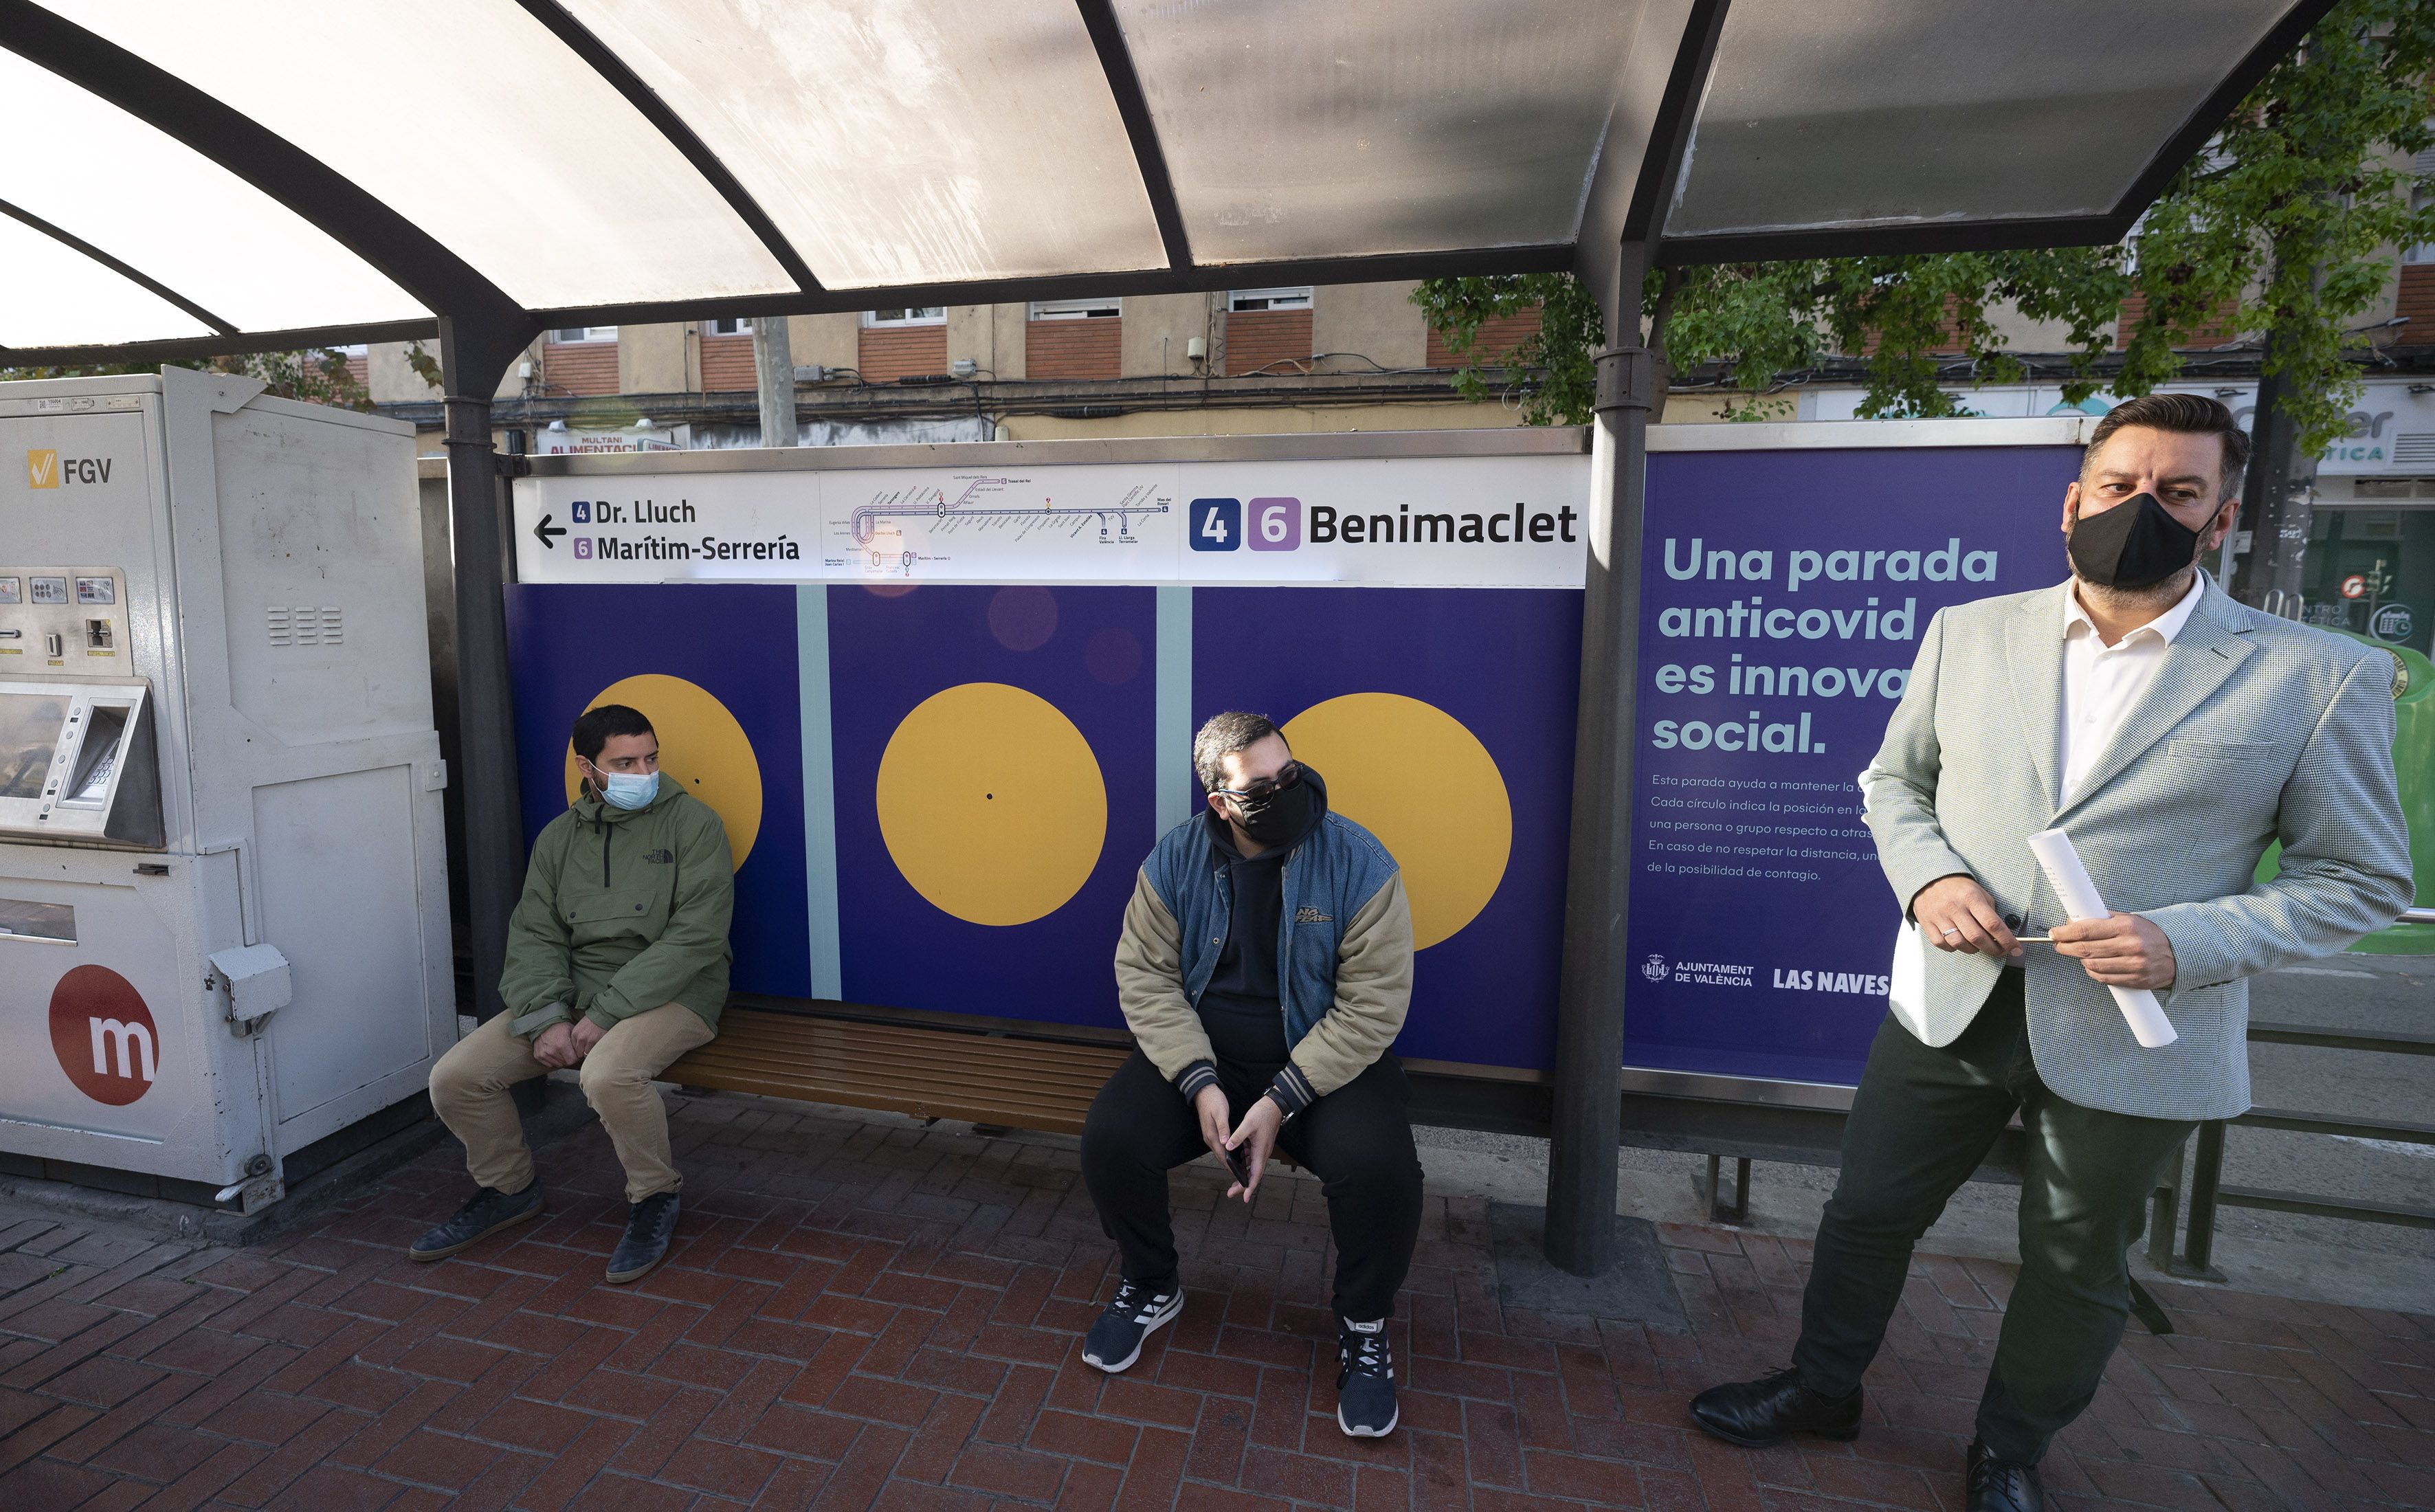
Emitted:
pixel 903 529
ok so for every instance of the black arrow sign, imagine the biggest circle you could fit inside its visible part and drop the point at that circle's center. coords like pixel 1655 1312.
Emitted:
pixel 547 531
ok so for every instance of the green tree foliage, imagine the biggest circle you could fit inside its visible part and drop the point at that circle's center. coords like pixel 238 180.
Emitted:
pixel 318 375
pixel 2283 229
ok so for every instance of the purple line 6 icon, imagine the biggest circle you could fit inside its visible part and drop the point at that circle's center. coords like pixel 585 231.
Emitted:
pixel 1275 524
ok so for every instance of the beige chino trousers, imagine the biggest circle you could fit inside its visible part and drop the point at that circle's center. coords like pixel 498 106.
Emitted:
pixel 469 1092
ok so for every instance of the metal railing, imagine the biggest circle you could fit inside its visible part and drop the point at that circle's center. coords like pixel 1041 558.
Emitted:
pixel 2207 1193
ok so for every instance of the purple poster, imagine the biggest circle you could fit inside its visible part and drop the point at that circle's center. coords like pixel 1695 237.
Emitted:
pixel 1783 595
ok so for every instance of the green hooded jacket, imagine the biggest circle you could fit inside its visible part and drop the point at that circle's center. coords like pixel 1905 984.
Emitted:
pixel 623 911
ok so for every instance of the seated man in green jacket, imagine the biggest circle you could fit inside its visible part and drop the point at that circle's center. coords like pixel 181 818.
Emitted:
pixel 617 964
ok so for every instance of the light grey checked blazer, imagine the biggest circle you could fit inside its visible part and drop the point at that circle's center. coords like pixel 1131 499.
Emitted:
pixel 2256 729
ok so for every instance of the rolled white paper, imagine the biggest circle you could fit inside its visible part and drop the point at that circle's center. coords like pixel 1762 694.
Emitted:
pixel 2077 894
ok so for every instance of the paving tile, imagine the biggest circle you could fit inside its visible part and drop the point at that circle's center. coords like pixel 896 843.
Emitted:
pixel 865 1316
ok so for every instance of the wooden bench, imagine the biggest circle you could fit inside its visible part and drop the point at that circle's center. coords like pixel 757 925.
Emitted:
pixel 1005 1070
pixel 924 1070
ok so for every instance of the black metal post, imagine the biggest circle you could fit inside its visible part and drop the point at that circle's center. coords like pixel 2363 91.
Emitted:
pixel 472 359
pixel 1581 1154
pixel 2206 1175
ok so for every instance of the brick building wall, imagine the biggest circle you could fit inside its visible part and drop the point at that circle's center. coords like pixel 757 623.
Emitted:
pixel 1074 349
pixel 1255 339
pixel 727 364
pixel 1496 338
pixel 577 367
pixel 889 353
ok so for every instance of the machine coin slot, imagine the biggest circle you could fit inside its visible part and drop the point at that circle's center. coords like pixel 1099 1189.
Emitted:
pixel 52 646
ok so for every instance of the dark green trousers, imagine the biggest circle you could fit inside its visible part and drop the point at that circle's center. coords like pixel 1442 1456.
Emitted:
pixel 1922 1121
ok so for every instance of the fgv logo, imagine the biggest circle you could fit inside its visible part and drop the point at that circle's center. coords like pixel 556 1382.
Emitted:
pixel 46 469
pixel 1218 524
pixel 104 1036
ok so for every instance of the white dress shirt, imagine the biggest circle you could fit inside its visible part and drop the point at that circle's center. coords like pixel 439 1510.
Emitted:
pixel 2101 682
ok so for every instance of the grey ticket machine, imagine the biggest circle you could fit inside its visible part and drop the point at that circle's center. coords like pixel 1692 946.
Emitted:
pixel 223 899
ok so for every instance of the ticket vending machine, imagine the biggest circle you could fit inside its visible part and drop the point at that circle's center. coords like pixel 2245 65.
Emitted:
pixel 223 897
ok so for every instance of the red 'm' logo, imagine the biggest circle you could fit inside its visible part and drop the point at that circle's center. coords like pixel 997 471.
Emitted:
pixel 104 1036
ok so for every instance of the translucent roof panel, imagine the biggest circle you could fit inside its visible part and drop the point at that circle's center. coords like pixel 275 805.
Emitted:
pixel 181 218
pixel 1823 114
pixel 473 121
pixel 902 144
pixel 53 295
pixel 1348 127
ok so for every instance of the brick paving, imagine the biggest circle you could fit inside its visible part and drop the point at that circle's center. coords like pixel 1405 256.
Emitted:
pixel 869 1314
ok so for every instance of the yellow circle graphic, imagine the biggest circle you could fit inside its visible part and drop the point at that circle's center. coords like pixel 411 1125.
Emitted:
pixel 1410 774
pixel 703 750
pixel 991 804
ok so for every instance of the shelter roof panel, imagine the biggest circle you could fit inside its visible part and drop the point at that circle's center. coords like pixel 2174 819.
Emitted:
pixel 1828 114
pixel 142 196
pixel 506 147
pixel 53 295
pixel 1300 129
pixel 903 145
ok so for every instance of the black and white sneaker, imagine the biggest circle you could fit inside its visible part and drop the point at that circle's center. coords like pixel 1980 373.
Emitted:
pixel 1365 1385
pixel 1139 1310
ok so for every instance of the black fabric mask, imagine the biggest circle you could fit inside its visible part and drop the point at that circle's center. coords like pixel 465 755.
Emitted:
pixel 2137 544
pixel 1277 817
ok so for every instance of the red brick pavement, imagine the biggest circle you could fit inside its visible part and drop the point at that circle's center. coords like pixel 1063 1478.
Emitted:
pixel 871 1316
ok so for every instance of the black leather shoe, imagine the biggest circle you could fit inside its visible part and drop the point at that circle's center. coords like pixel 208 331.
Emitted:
pixel 2001 1484
pixel 649 1225
pixel 485 1214
pixel 1771 1409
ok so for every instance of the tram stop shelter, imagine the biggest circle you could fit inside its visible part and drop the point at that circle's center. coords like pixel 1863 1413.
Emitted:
pixel 179 184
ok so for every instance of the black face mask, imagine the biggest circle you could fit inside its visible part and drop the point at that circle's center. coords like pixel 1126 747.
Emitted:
pixel 1277 816
pixel 2137 544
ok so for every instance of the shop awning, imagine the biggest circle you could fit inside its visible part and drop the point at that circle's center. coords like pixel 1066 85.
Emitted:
pixel 197 175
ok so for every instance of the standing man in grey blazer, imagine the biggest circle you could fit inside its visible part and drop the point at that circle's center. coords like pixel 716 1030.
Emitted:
pixel 2173 735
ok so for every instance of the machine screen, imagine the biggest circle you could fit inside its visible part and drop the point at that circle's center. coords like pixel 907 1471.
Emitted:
pixel 29 728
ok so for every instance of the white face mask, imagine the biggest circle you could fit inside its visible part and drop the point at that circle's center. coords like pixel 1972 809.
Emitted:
pixel 625 790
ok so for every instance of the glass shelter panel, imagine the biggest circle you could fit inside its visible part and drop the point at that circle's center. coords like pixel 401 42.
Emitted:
pixel 1328 130
pixel 898 143
pixel 1824 113
pixel 504 130
pixel 52 295
pixel 138 194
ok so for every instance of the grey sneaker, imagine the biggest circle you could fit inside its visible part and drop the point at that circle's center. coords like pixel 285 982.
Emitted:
pixel 649 1225
pixel 1365 1380
pixel 1139 1310
pixel 489 1212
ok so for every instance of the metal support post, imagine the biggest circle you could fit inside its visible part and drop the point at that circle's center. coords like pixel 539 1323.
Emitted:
pixel 773 369
pixel 2167 1213
pixel 1737 1211
pixel 1581 1154
pixel 471 362
pixel 2206 1175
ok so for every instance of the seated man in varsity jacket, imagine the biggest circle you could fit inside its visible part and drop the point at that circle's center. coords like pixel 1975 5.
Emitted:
pixel 1265 967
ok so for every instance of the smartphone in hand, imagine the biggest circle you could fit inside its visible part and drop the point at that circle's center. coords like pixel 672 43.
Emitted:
pixel 1237 1165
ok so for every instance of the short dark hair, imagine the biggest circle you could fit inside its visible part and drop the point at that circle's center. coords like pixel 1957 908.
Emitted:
pixel 1223 735
pixel 594 728
pixel 2184 415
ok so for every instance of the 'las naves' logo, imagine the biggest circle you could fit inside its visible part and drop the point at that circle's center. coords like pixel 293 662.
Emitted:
pixel 46 469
